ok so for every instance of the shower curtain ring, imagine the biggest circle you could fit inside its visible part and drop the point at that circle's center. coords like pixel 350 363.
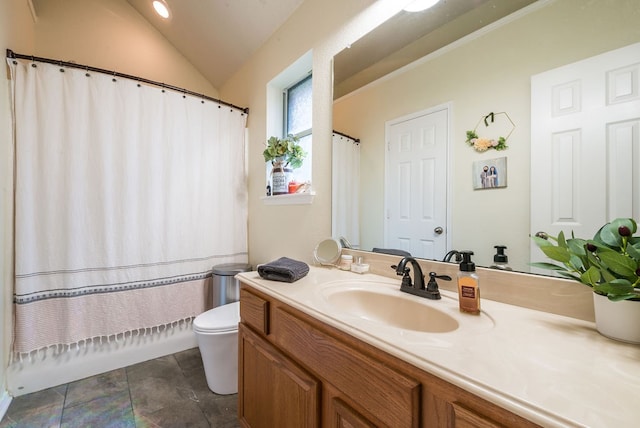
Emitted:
pixel 114 76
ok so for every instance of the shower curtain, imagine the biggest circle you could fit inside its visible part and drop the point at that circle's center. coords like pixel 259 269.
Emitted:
pixel 126 195
pixel 346 189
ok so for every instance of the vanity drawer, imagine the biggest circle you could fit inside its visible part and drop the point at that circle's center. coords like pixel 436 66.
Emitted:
pixel 388 395
pixel 254 311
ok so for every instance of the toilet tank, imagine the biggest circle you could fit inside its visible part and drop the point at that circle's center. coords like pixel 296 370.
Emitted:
pixel 226 288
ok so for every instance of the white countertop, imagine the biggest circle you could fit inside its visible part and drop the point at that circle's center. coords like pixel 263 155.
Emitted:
pixel 553 370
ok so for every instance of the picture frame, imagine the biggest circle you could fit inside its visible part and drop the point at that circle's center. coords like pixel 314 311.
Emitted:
pixel 490 173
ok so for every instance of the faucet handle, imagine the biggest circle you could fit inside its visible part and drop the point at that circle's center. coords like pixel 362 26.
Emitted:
pixel 432 285
pixel 433 275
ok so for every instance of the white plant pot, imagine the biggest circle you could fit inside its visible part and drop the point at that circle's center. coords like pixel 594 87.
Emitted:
pixel 617 320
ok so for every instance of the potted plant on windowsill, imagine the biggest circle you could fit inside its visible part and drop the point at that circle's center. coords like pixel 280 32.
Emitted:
pixel 609 264
pixel 285 154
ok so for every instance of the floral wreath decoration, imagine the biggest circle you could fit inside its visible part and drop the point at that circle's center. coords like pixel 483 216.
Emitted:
pixel 484 144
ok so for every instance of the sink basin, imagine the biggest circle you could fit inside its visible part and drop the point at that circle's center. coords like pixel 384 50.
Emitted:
pixel 376 307
pixel 391 308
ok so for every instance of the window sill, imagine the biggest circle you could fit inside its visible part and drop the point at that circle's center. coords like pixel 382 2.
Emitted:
pixel 289 199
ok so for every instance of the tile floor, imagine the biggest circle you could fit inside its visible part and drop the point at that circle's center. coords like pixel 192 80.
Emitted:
pixel 168 392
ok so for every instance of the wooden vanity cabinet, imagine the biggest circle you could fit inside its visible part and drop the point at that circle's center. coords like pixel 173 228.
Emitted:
pixel 296 371
pixel 275 391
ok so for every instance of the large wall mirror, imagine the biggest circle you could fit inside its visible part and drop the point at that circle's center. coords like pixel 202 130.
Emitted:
pixel 477 60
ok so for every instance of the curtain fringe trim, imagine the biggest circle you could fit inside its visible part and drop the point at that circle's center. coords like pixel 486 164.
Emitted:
pixel 56 350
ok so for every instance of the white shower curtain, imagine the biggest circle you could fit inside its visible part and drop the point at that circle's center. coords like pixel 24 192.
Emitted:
pixel 126 196
pixel 346 189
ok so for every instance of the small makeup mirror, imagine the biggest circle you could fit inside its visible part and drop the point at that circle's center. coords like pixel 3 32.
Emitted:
pixel 327 252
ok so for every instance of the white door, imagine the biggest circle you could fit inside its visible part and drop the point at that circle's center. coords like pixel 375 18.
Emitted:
pixel 585 144
pixel 416 183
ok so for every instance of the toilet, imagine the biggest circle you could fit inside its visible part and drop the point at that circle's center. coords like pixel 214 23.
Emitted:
pixel 217 335
pixel 216 330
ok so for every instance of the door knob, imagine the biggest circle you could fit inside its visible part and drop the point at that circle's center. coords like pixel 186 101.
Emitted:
pixel 438 230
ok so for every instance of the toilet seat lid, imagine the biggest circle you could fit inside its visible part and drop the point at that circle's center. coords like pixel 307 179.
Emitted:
pixel 220 319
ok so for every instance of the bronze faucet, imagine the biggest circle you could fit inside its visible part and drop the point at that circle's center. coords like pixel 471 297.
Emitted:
pixel 418 288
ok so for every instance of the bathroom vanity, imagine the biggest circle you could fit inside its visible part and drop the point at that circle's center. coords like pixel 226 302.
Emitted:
pixel 315 353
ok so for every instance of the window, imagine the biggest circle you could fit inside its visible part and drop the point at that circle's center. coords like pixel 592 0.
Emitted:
pixel 289 104
pixel 298 108
pixel 297 103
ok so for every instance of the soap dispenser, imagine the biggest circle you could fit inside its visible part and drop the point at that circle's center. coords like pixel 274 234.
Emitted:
pixel 468 285
pixel 500 260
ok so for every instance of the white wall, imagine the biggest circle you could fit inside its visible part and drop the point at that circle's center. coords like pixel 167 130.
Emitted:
pixel 111 34
pixel 489 73
pixel 325 27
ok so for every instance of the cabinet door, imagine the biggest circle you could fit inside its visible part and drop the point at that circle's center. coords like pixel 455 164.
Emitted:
pixel 343 416
pixel 273 391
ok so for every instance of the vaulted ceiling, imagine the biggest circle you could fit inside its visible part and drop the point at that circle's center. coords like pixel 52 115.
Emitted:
pixel 218 36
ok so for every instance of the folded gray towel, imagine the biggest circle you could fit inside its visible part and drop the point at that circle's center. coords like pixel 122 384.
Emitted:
pixel 283 269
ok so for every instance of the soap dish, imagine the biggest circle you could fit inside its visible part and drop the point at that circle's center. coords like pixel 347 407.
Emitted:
pixel 359 267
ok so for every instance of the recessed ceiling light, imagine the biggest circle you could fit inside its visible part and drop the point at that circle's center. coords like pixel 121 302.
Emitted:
pixel 420 5
pixel 161 8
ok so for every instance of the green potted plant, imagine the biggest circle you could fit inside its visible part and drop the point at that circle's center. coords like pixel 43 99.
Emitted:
pixel 286 150
pixel 284 154
pixel 609 264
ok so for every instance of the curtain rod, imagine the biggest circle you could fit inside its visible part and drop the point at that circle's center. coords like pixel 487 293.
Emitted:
pixel 357 140
pixel 12 54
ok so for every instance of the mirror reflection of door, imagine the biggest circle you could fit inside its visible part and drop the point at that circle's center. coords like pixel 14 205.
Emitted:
pixel 585 144
pixel 416 183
